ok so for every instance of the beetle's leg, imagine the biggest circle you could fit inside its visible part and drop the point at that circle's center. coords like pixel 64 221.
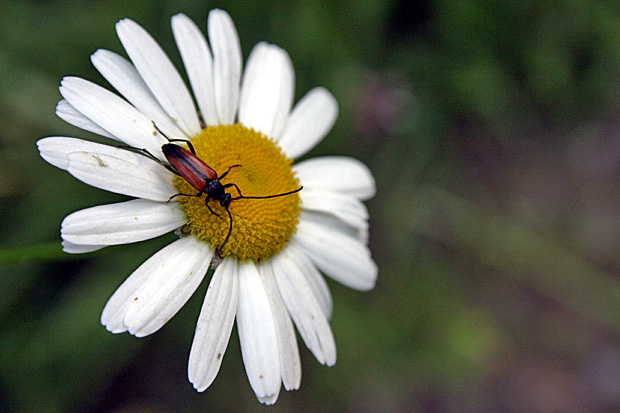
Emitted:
pixel 189 144
pixel 181 194
pixel 209 208
pixel 213 212
pixel 218 251
pixel 237 188
pixel 143 150
pixel 226 173
pixel 151 156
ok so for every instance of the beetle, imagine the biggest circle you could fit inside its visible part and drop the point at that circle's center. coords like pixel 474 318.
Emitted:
pixel 186 164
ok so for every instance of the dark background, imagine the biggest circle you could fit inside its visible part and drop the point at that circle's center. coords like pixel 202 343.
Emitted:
pixel 492 128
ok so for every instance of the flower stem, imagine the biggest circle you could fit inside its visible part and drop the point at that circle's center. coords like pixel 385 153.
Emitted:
pixel 45 252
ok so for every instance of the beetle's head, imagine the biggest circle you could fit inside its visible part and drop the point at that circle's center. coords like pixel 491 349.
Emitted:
pixel 225 201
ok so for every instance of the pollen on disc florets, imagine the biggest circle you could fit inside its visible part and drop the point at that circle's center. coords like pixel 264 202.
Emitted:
pixel 260 226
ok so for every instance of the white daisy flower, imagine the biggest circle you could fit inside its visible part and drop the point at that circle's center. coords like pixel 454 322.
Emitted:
pixel 269 277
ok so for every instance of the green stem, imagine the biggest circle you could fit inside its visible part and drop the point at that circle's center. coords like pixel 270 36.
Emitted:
pixel 45 252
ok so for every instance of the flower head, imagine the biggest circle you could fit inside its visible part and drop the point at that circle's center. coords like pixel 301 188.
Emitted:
pixel 247 131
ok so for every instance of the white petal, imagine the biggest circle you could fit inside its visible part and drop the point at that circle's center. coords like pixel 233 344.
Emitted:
pixel 269 400
pixel 122 223
pixel 336 253
pixel 304 308
pixel 311 119
pixel 112 113
pixel 267 90
pixel 175 273
pixel 226 49
pixel 56 148
pixel 124 77
pixel 314 278
pixel 159 74
pixel 257 334
pixel 69 114
pixel 346 208
pixel 338 174
pixel 125 173
pixel 198 64
pixel 80 249
pixel 113 315
pixel 214 326
pixel 290 363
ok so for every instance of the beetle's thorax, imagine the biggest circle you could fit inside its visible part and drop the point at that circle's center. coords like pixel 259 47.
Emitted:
pixel 215 190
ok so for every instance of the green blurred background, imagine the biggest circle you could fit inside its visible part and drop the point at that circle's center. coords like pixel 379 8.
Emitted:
pixel 493 130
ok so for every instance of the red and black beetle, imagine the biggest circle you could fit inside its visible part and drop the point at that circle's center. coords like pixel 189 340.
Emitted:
pixel 186 164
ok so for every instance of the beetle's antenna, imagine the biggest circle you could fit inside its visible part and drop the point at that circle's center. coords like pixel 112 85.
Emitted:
pixel 221 247
pixel 268 196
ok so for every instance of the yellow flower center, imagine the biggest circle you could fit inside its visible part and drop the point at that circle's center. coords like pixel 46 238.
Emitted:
pixel 260 226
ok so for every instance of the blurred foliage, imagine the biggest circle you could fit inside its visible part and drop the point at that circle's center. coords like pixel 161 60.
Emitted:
pixel 492 130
